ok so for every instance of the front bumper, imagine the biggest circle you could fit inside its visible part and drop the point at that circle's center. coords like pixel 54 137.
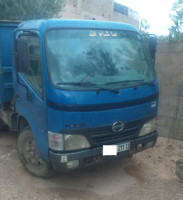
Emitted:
pixel 93 156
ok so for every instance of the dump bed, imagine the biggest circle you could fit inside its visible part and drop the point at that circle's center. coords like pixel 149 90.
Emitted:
pixel 6 55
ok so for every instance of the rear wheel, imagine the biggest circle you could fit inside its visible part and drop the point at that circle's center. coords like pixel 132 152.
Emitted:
pixel 29 155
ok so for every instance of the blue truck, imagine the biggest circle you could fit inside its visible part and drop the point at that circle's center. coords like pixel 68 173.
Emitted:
pixel 75 91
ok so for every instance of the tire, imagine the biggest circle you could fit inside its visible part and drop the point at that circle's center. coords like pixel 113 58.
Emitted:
pixel 3 126
pixel 29 156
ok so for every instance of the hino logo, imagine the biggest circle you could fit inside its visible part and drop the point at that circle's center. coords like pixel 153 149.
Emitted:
pixel 118 126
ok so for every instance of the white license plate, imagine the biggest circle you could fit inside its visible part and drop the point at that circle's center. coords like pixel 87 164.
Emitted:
pixel 123 147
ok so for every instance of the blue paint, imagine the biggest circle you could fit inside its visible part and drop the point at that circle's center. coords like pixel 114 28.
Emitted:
pixel 43 25
pixel 42 118
pixel 6 55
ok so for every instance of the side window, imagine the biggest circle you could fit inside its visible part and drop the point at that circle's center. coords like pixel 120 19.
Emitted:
pixel 29 61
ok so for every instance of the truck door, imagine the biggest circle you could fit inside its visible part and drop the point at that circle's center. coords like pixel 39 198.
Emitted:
pixel 30 101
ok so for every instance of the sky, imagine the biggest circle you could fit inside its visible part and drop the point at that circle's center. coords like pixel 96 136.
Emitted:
pixel 155 11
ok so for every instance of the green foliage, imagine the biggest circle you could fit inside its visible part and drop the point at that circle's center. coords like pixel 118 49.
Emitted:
pixel 144 26
pixel 177 37
pixel 163 38
pixel 177 18
pixel 29 9
pixel 170 38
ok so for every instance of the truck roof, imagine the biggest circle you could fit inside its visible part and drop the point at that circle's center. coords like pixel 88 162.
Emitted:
pixel 9 23
pixel 43 25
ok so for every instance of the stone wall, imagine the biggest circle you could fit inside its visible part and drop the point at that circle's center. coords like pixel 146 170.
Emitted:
pixel 98 10
pixel 102 8
pixel 117 17
pixel 169 68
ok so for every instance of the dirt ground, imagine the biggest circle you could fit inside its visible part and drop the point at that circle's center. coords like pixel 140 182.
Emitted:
pixel 149 175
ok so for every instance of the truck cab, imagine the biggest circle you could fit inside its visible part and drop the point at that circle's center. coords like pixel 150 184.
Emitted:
pixel 79 88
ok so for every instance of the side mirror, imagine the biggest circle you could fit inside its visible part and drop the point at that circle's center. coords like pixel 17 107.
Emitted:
pixel 152 44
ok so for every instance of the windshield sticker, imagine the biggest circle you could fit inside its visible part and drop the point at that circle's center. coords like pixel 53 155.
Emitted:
pixel 103 34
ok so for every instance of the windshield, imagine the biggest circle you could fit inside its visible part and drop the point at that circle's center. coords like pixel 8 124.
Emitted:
pixel 88 59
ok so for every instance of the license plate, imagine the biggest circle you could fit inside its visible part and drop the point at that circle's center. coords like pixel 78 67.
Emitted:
pixel 123 147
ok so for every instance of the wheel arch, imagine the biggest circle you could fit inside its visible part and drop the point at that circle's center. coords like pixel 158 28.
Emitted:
pixel 22 123
pixel 26 119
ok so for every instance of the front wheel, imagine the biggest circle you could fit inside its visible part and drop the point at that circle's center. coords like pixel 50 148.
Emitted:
pixel 3 126
pixel 29 156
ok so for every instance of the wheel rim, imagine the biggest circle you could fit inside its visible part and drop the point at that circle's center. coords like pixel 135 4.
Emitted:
pixel 31 153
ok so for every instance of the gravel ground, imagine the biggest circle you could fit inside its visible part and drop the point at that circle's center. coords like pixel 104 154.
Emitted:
pixel 149 175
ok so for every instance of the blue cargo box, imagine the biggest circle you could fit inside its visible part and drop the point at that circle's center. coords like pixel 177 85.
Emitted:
pixel 6 56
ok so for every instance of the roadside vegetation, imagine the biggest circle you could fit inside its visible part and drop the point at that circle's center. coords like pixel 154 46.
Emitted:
pixel 30 9
pixel 176 29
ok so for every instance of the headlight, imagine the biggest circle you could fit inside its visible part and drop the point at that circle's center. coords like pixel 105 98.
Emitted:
pixel 149 127
pixel 61 142
pixel 73 142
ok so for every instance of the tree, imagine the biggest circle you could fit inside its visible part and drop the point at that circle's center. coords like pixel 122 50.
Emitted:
pixel 177 18
pixel 29 9
pixel 144 26
pixel 163 38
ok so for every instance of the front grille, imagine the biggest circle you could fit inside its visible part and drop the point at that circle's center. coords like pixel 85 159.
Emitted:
pixel 105 135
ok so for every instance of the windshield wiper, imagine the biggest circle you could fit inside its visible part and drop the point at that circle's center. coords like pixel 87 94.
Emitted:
pixel 127 81
pixel 86 84
pixel 99 89
pixel 77 84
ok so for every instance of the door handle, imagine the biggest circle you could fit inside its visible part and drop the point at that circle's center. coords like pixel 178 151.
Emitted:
pixel 29 96
pixel 17 97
